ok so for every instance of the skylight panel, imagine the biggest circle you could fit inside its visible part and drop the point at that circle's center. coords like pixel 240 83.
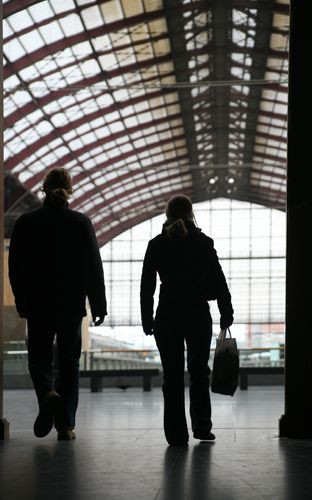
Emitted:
pixel 43 151
pixel 39 92
pixel 82 49
pixel 100 158
pixel 24 176
pixel 132 8
pixel 90 67
pixel 108 61
pixel 31 41
pixel 11 82
pixel 7 30
pixel 75 112
pixel 104 100
pixel 92 17
pixel 71 25
pixel 66 101
pixel 102 132
pixel 281 108
pixel 61 151
pixel 54 144
pixel 43 127
pixel 60 6
pixel 59 119
pixel 14 147
pixel 75 144
pixel 14 50
pixel 121 95
pixel 88 138
pixel 89 163
pixel 20 21
pixel 51 32
pixel 98 122
pixel 71 77
pixel 112 11
pixel 129 58
pixel 239 37
pixel 103 42
pixel 41 11
pixel 113 152
pixel 116 127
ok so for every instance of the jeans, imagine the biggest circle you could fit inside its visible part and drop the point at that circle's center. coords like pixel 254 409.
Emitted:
pixel 171 330
pixel 41 334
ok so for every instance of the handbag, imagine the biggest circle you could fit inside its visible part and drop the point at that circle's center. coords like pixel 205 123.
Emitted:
pixel 225 370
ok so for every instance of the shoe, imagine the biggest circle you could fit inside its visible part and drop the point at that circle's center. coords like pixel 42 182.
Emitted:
pixel 44 421
pixel 66 435
pixel 205 436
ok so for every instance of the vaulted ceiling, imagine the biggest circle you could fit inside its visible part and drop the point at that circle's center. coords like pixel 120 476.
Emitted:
pixel 143 99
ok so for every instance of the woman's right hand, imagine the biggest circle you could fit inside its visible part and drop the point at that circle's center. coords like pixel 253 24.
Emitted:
pixel 226 322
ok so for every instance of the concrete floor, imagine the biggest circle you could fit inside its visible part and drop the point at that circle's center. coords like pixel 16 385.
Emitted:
pixel 120 452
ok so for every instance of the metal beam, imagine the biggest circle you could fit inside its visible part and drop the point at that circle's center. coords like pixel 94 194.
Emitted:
pixel 14 6
pixel 104 29
pixel 180 56
pixel 222 36
pixel 9 120
pixel 135 190
pixel 59 45
pixel 54 95
pixel 257 71
pixel 33 181
pixel 46 139
pixel 154 168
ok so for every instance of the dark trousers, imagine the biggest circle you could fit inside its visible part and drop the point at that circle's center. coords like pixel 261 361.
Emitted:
pixel 172 330
pixel 41 334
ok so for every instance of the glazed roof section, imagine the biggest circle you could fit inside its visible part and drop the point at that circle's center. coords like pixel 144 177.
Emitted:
pixel 142 99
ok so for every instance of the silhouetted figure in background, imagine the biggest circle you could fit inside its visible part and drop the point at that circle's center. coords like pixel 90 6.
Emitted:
pixel 54 263
pixel 190 274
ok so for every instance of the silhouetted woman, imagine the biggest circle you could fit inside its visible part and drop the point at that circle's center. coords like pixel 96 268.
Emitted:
pixel 54 263
pixel 190 275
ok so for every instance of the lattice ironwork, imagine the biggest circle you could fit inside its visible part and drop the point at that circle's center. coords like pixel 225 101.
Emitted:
pixel 141 99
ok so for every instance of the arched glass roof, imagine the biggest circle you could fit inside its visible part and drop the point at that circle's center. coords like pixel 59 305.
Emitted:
pixel 142 99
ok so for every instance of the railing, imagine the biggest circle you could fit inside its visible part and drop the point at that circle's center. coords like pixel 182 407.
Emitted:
pixel 15 360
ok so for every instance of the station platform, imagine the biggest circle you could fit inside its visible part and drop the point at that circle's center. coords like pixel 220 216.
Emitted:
pixel 121 454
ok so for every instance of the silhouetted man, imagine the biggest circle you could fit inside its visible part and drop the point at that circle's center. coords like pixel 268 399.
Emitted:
pixel 54 263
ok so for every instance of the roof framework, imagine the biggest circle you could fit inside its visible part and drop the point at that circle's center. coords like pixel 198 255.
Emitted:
pixel 142 99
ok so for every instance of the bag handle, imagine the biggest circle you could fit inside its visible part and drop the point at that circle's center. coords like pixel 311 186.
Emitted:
pixel 222 334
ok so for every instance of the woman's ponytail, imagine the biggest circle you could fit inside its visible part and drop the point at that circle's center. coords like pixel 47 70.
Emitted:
pixel 57 186
pixel 58 196
pixel 177 228
pixel 178 210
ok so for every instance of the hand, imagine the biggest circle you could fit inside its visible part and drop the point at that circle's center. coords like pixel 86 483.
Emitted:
pixel 98 321
pixel 148 331
pixel 226 322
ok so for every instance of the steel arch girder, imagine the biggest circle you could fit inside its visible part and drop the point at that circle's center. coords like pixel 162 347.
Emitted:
pixel 38 177
pixel 19 157
pixel 135 189
pixel 154 167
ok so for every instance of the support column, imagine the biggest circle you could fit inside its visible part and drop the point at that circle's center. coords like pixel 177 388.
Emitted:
pixel 297 419
pixel 4 425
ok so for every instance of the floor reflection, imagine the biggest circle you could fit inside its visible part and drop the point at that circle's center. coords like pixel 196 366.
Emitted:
pixel 55 471
pixel 187 472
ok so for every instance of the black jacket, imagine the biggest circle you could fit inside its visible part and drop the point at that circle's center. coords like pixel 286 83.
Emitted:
pixel 189 271
pixel 54 263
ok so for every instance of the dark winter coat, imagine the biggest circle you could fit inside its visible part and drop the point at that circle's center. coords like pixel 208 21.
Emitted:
pixel 54 263
pixel 190 274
